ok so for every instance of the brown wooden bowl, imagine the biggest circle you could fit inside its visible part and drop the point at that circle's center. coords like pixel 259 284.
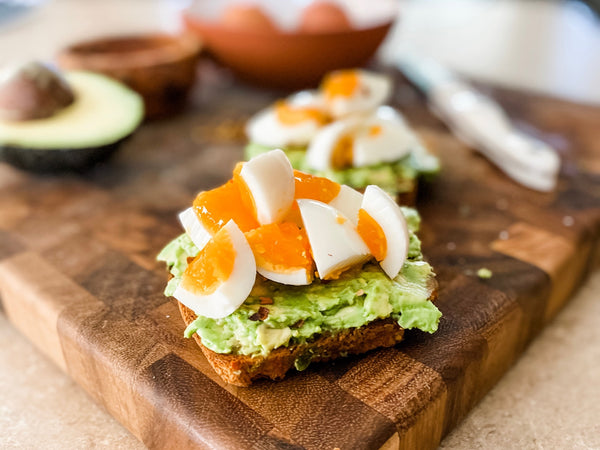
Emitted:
pixel 286 60
pixel 160 67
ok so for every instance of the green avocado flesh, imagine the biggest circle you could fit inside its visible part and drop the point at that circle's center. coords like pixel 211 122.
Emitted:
pixel 104 112
pixel 361 295
pixel 394 178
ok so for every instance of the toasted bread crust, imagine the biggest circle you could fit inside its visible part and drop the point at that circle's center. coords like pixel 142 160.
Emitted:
pixel 408 198
pixel 241 370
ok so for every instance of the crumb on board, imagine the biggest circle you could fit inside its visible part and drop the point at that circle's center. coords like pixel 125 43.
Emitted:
pixel 484 273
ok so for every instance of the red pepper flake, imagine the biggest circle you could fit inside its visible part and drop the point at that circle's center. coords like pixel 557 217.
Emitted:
pixel 265 300
pixel 261 314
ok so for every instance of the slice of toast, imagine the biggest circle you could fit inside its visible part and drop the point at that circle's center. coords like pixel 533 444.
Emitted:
pixel 241 370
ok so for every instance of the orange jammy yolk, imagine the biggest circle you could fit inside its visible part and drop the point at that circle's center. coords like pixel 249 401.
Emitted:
pixel 373 235
pixel 280 247
pixel 293 115
pixel 246 198
pixel 343 154
pixel 341 84
pixel 311 187
pixel 375 130
pixel 211 267
pixel 315 188
pixel 216 207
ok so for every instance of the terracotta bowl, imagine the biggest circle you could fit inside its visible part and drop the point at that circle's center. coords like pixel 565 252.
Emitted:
pixel 283 59
pixel 160 67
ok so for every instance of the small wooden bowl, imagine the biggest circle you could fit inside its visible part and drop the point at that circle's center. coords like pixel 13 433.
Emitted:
pixel 160 67
pixel 286 60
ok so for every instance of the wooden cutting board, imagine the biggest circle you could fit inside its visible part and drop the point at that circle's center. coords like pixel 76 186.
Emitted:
pixel 78 277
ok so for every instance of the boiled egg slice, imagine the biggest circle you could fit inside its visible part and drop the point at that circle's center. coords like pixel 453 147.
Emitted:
pixel 335 244
pixel 342 197
pixel 267 182
pixel 288 123
pixel 354 91
pixel 282 253
pixel 213 209
pixel 352 142
pixel 381 140
pixel 383 227
pixel 332 146
pixel 221 276
pixel 348 202
pixel 194 228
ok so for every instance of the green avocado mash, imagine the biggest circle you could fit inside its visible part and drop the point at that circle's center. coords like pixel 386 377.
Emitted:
pixel 394 178
pixel 298 313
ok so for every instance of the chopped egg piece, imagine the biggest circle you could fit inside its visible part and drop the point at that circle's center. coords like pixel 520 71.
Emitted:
pixel 213 209
pixel 348 202
pixel 354 91
pixel 383 227
pixel 380 137
pixel 291 122
pixel 218 206
pixel 331 148
pixel 194 228
pixel 313 187
pixel 335 244
pixel 282 253
pixel 381 140
pixel 268 184
pixel 221 276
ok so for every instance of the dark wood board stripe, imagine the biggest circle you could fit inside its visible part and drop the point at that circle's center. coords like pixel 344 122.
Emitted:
pixel 209 417
pixel 78 277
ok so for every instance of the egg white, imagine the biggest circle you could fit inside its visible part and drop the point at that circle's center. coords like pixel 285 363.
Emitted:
pixel 320 151
pixel 233 292
pixel 394 141
pixel 270 179
pixel 386 212
pixel 266 129
pixel 373 90
pixel 194 228
pixel 298 277
pixel 348 202
pixel 335 244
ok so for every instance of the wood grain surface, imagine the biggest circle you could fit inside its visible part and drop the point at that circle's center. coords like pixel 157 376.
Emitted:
pixel 78 277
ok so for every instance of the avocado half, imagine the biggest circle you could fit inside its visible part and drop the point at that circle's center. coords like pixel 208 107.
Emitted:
pixel 104 113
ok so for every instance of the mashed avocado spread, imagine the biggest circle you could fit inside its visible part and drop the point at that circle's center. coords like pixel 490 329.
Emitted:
pixel 297 313
pixel 394 178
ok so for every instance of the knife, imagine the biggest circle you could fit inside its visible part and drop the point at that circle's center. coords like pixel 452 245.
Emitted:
pixel 481 123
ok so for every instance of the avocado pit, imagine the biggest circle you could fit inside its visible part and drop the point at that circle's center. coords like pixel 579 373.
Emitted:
pixel 32 91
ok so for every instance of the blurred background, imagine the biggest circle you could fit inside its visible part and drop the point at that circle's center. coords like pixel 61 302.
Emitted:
pixel 547 46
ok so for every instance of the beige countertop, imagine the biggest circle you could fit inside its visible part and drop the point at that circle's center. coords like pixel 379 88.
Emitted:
pixel 549 399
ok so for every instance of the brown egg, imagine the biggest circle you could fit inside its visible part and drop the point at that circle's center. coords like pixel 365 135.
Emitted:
pixel 247 17
pixel 324 16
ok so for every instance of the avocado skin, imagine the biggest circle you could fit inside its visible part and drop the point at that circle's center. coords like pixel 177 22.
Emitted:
pixel 59 159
